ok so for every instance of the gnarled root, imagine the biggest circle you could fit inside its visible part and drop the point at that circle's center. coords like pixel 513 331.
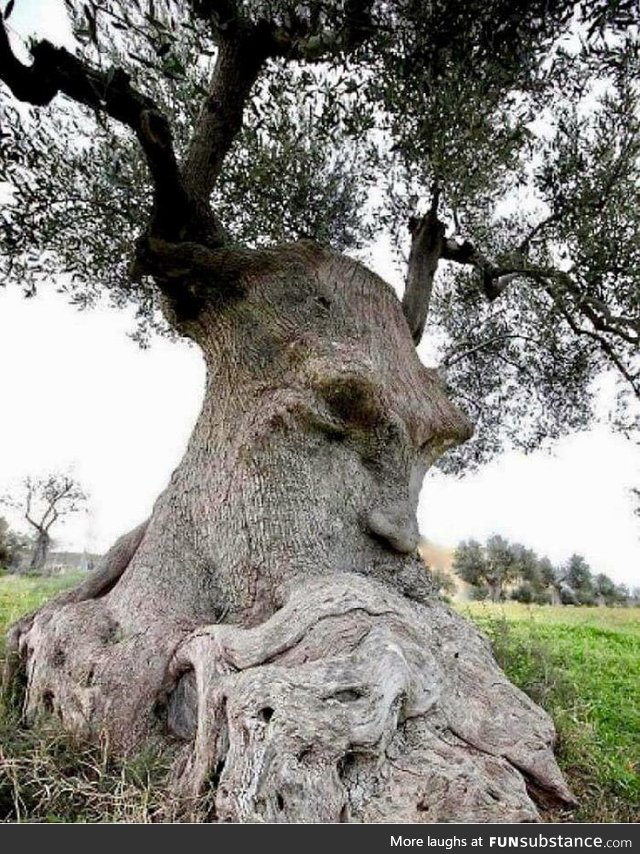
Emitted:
pixel 350 703
pixel 96 585
pixel 354 704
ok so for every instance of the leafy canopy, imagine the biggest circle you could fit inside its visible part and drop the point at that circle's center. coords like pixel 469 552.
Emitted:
pixel 515 123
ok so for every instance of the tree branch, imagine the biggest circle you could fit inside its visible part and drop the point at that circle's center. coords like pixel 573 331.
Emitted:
pixel 556 283
pixel 244 47
pixel 51 521
pixel 427 245
pixel 55 71
pixel 605 345
pixel 28 499
pixel 456 356
pixel 537 230
pixel 494 279
pixel 240 59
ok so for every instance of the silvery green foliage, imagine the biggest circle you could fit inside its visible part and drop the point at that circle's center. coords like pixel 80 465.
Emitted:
pixel 523 115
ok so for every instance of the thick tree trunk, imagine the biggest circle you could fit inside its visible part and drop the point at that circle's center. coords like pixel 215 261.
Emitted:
pixel 272 623
pixel 40 553
pixel 495 590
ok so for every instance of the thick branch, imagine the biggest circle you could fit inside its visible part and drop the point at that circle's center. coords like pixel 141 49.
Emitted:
pixel 33 522
pixel 27 511
pixel 494 279
pixel 427 245
pixel 54 518
pixel 56 71
pixel 238 65
pixel 243 48
pixel 302 38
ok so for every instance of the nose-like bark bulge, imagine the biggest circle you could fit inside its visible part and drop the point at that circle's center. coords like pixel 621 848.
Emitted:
pixel 396 525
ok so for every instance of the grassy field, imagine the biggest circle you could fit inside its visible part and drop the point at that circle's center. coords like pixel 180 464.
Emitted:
pixel 19 595
pixel 581 664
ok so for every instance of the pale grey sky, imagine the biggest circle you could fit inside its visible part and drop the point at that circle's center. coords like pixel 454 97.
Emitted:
pixel 78 393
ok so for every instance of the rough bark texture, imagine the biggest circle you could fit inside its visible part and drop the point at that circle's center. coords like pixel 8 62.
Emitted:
pixel 271 623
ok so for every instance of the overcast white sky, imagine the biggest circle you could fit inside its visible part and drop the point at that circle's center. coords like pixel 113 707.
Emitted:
pixel 78 393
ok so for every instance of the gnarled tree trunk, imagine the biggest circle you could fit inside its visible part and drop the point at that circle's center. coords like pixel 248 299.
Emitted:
pixel 272 622
pixel 40 553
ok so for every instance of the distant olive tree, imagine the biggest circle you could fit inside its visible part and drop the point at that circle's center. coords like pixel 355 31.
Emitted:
pixel 43 501
pixel 491 566
pixel 607 592
pixel 579 578
pixel 500 568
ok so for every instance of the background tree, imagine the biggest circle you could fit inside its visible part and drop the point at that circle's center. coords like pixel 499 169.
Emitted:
pixel 529 573
pixel 257 616
pixel 502 565
pixel 469 563
pixel 6 557
pixel 492 566
pixel 577 575
pixel 44 501
pixel 13 547
pixel 607 592
pixel 546 577
pixel 499 563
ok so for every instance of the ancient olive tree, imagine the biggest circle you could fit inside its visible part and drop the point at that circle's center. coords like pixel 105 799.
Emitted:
pixel 43 501
pixel 211 161
pixel 490 567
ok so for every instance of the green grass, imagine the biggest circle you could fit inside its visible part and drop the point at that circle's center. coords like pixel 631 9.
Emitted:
pixel 21 594
pixel 583 666
pixel 47 776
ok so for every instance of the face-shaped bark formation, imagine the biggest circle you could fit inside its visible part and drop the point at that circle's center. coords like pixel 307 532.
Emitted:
pixel 272 616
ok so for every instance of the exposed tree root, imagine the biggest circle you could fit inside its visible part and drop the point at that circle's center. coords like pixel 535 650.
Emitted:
pixel 97 584
pixel 353 704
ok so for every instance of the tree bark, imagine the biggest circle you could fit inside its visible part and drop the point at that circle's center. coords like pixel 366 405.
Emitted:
pixel 272 624
pixel 495 589
pixel 40 553
pixel 556 598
